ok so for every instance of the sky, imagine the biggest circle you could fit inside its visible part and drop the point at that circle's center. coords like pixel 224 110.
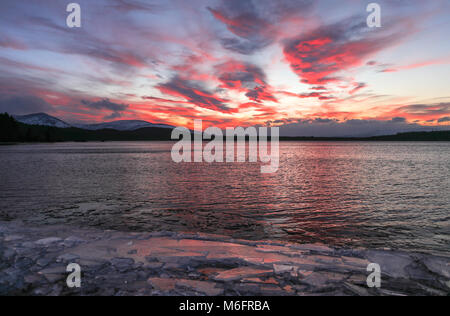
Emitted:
pixel 312 67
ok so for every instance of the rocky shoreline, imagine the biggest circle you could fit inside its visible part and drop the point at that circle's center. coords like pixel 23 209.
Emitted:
pixel 34 260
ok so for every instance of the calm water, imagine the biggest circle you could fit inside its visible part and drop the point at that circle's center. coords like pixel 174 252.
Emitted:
pixel 353 194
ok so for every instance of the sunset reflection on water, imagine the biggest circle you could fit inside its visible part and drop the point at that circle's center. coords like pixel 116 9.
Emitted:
pixel 342 193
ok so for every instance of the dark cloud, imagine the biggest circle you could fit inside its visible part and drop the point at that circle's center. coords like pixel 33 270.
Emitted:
pixel 245 77
pixel 235 74
pixel 321 120
pixel 244 47
pixel 398 120
pixel 319 95
pixel 249 29
pixel 259 94
pixel 105 104
pixel 444 119
pixel 22 105
pixel 194 93
pixel 426 109
pixel 254 22
pixel 244 24
pixel 82 42
pixel 358 86
pixel 352 128
pixel 132 5
pixel 113 116
pixel 322 95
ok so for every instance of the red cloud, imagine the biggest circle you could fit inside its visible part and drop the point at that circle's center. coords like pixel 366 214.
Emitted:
pixel 7 42
pixel 358 86
pixel 319 95
pixel 245 25
pixel 245 78
pixel 441 61
pixel 421 112
pixel 194 94
pixel 319 56
pixel 257 24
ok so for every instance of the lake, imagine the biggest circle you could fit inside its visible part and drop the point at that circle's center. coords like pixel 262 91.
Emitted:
pixel 352 194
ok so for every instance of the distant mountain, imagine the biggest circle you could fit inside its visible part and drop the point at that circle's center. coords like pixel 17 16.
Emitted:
pixel 13 131
pixel 41 119
pixel 124 125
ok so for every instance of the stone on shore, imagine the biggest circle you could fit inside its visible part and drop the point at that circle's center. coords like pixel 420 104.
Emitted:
pixel 241 273
pixel 53 274
pixel 393 264
pixel 48 241
pixel 438 266
pixel 34 259
pixel 203 287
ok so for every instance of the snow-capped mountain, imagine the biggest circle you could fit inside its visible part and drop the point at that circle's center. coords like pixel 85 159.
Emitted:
pixel 48 120
pixel 124 125
pixel 41 119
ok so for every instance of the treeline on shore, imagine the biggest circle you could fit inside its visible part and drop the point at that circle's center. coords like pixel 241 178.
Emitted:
pixel 16 132
pixel 435 136
pixel 13 131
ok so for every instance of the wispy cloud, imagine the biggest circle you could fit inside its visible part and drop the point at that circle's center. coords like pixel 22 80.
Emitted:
pixel 322 55
pixel 236 62
pixel 439 61
pixel 194 93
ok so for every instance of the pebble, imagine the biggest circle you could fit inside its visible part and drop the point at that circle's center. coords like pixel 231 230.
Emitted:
pixel 48 241
pixel 43 262
pixel 68 257
pixel 280 269
pixel 358 290
pixel 13 238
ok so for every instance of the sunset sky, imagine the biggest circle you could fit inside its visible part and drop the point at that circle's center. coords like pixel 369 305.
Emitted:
pixel 313 67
